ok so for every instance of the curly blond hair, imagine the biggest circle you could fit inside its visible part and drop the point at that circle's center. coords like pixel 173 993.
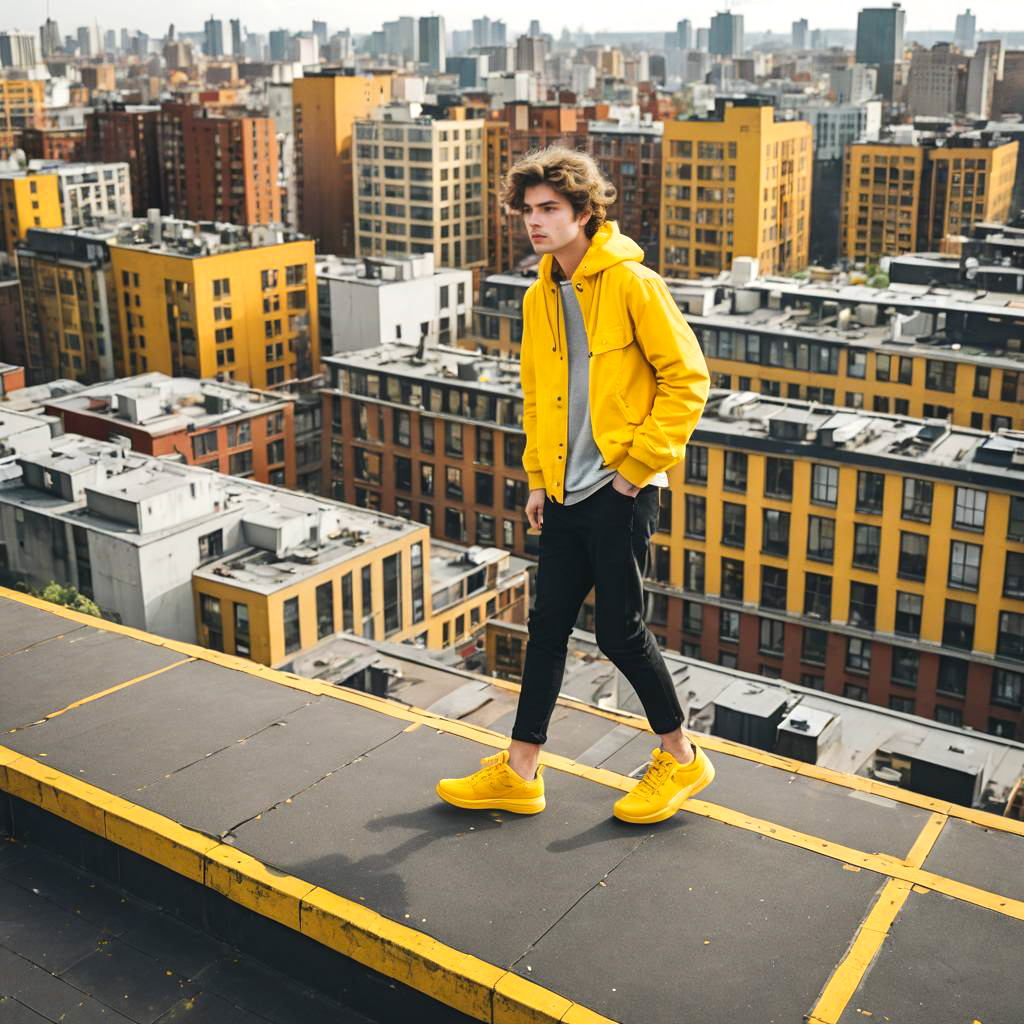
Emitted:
pixel 571 173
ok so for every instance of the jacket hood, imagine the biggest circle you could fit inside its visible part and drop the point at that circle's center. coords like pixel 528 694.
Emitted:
pixel 608 247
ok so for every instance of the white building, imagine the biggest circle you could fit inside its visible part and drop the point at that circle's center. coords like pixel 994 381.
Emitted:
pixel 17 50
pixel 369 302
pixel 853 84
pixel 91 193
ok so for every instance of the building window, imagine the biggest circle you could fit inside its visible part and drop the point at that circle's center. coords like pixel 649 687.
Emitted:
pixel 240 463
pixel 211 545
pixel 952 678
pixel 913 562
pixel 453 483
pixel 426 435
pixel 821 538
pixel 242 645
pixel 778 478
pixel 693 617
pixel 1008 688
pixel 728 624
pixel 964 565
pixel 908 614
pixel 858 655
pixel 772 636
pixel 905 666
pixel 735 473
pixel 866 543
pixel 291 625
pixel 917 499
pixel 1010 639
pixel 204 444
pixel 969 509
pixel 863 601
pixel 732 579
pixel 324 610
pixel 734 524
pixel 870 492
pixel 696 464
pixel 824 484
pixel 818 596
pixel 485 447
pixel 392 593
pixel 693 571
pixel 958 625
pixel 775 532
pixel 347 611
pixel 854 692
pixel 1015 526
pixel 209 612
pixel 949 716
pixel 453 439
pixel 814 646
pixel 940 375
pixel 696 516
pixel 773 587
pixel 1013 575
pixel 366 588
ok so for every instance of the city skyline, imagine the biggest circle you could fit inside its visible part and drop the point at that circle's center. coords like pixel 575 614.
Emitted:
pixel 602 16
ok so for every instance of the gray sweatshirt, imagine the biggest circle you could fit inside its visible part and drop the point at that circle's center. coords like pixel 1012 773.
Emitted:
pixel 585 471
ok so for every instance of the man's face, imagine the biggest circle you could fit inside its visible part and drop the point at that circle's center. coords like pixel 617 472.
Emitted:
pixel 549 219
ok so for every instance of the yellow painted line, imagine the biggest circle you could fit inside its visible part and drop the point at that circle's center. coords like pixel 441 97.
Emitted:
pixel 114 689
pixel 474 986
pixel 869 938
pixel 866 944
pixel 881 863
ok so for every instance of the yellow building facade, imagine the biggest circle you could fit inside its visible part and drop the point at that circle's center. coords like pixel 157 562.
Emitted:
pixel 248 312
pixel 735 184
pixel 22 105
pixel 27 201
pixel 325 105
pixel 909 198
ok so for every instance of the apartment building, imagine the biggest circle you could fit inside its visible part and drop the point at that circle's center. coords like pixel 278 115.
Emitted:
pixel 371 301
pixel 221 425
pixel 28 199
pixel 325 105
pixel 201 300
pixel 419 185
pixel 258 571
pixel 737 183
pixel 22 105
pixel 218 164
pixel 498 318
pixel 92 193
pixel 629 154
pixel 942 354
pixel 54 144
pixel 70 326
pixel 516 129
pixel 910 192
pixel 850 552
pixel 128 133
pixel 436 438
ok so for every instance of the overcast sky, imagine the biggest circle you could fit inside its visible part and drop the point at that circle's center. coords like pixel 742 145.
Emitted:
pixel 596 15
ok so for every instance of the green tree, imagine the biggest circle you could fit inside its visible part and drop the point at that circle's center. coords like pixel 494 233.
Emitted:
pixel 69 596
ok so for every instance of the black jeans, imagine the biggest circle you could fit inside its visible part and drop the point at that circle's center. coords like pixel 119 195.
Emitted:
pixel 601 542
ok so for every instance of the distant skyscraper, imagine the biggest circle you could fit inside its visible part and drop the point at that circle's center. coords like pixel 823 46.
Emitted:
pixel 964 34
pixel 236 37
pixel 726 36
pixel 320 33
pixel 432 43
pixel 684 34
pixel 702 38
pixel 800 34
pixel 488 33
pixel 880 41
pixel 534 28
pixel 110 41
pixel 49 38
pixel 88 41
pixel 17 50
pixel 279 44
pixel 213 45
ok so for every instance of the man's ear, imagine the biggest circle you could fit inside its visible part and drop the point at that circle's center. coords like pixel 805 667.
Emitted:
pixel 585 217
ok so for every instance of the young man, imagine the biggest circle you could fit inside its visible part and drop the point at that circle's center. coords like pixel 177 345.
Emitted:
pixel 614 383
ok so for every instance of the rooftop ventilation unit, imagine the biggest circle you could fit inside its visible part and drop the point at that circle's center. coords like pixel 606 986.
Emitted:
pixel 750 713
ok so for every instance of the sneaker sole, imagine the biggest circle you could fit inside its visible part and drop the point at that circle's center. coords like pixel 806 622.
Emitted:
pixel 534 806
pixel 675 803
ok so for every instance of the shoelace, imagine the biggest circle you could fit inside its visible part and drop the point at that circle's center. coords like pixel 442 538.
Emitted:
pixel 492 765
pixel 656 773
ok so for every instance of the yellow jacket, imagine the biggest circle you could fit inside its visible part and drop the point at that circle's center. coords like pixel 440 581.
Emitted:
pixel 648 378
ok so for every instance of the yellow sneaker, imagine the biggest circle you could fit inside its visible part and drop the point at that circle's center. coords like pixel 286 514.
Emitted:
pixel 664 787
pixel 496 786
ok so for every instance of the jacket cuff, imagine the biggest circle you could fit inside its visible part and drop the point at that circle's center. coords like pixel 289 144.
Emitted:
pixel 636 472
pixel 535 481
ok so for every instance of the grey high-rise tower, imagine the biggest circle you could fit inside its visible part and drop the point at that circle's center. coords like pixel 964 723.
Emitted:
pixel 726 36
pixel 684 34
pixel 801 37
pixel 880 42
pixel 432 43
pixel 213 45
pixel 965 27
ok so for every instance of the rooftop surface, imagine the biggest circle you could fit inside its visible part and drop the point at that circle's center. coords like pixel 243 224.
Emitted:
pixel 791 893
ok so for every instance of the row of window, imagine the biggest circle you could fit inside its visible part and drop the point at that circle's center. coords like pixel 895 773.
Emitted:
pixel 958 616
pixel 968 508
pixel 238 433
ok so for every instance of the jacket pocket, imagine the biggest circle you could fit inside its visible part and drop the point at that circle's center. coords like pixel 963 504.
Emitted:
pixel 609 339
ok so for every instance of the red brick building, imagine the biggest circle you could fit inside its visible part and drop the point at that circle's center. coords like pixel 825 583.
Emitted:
pixel 54 144
pixel 128 133
pixel 220 425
